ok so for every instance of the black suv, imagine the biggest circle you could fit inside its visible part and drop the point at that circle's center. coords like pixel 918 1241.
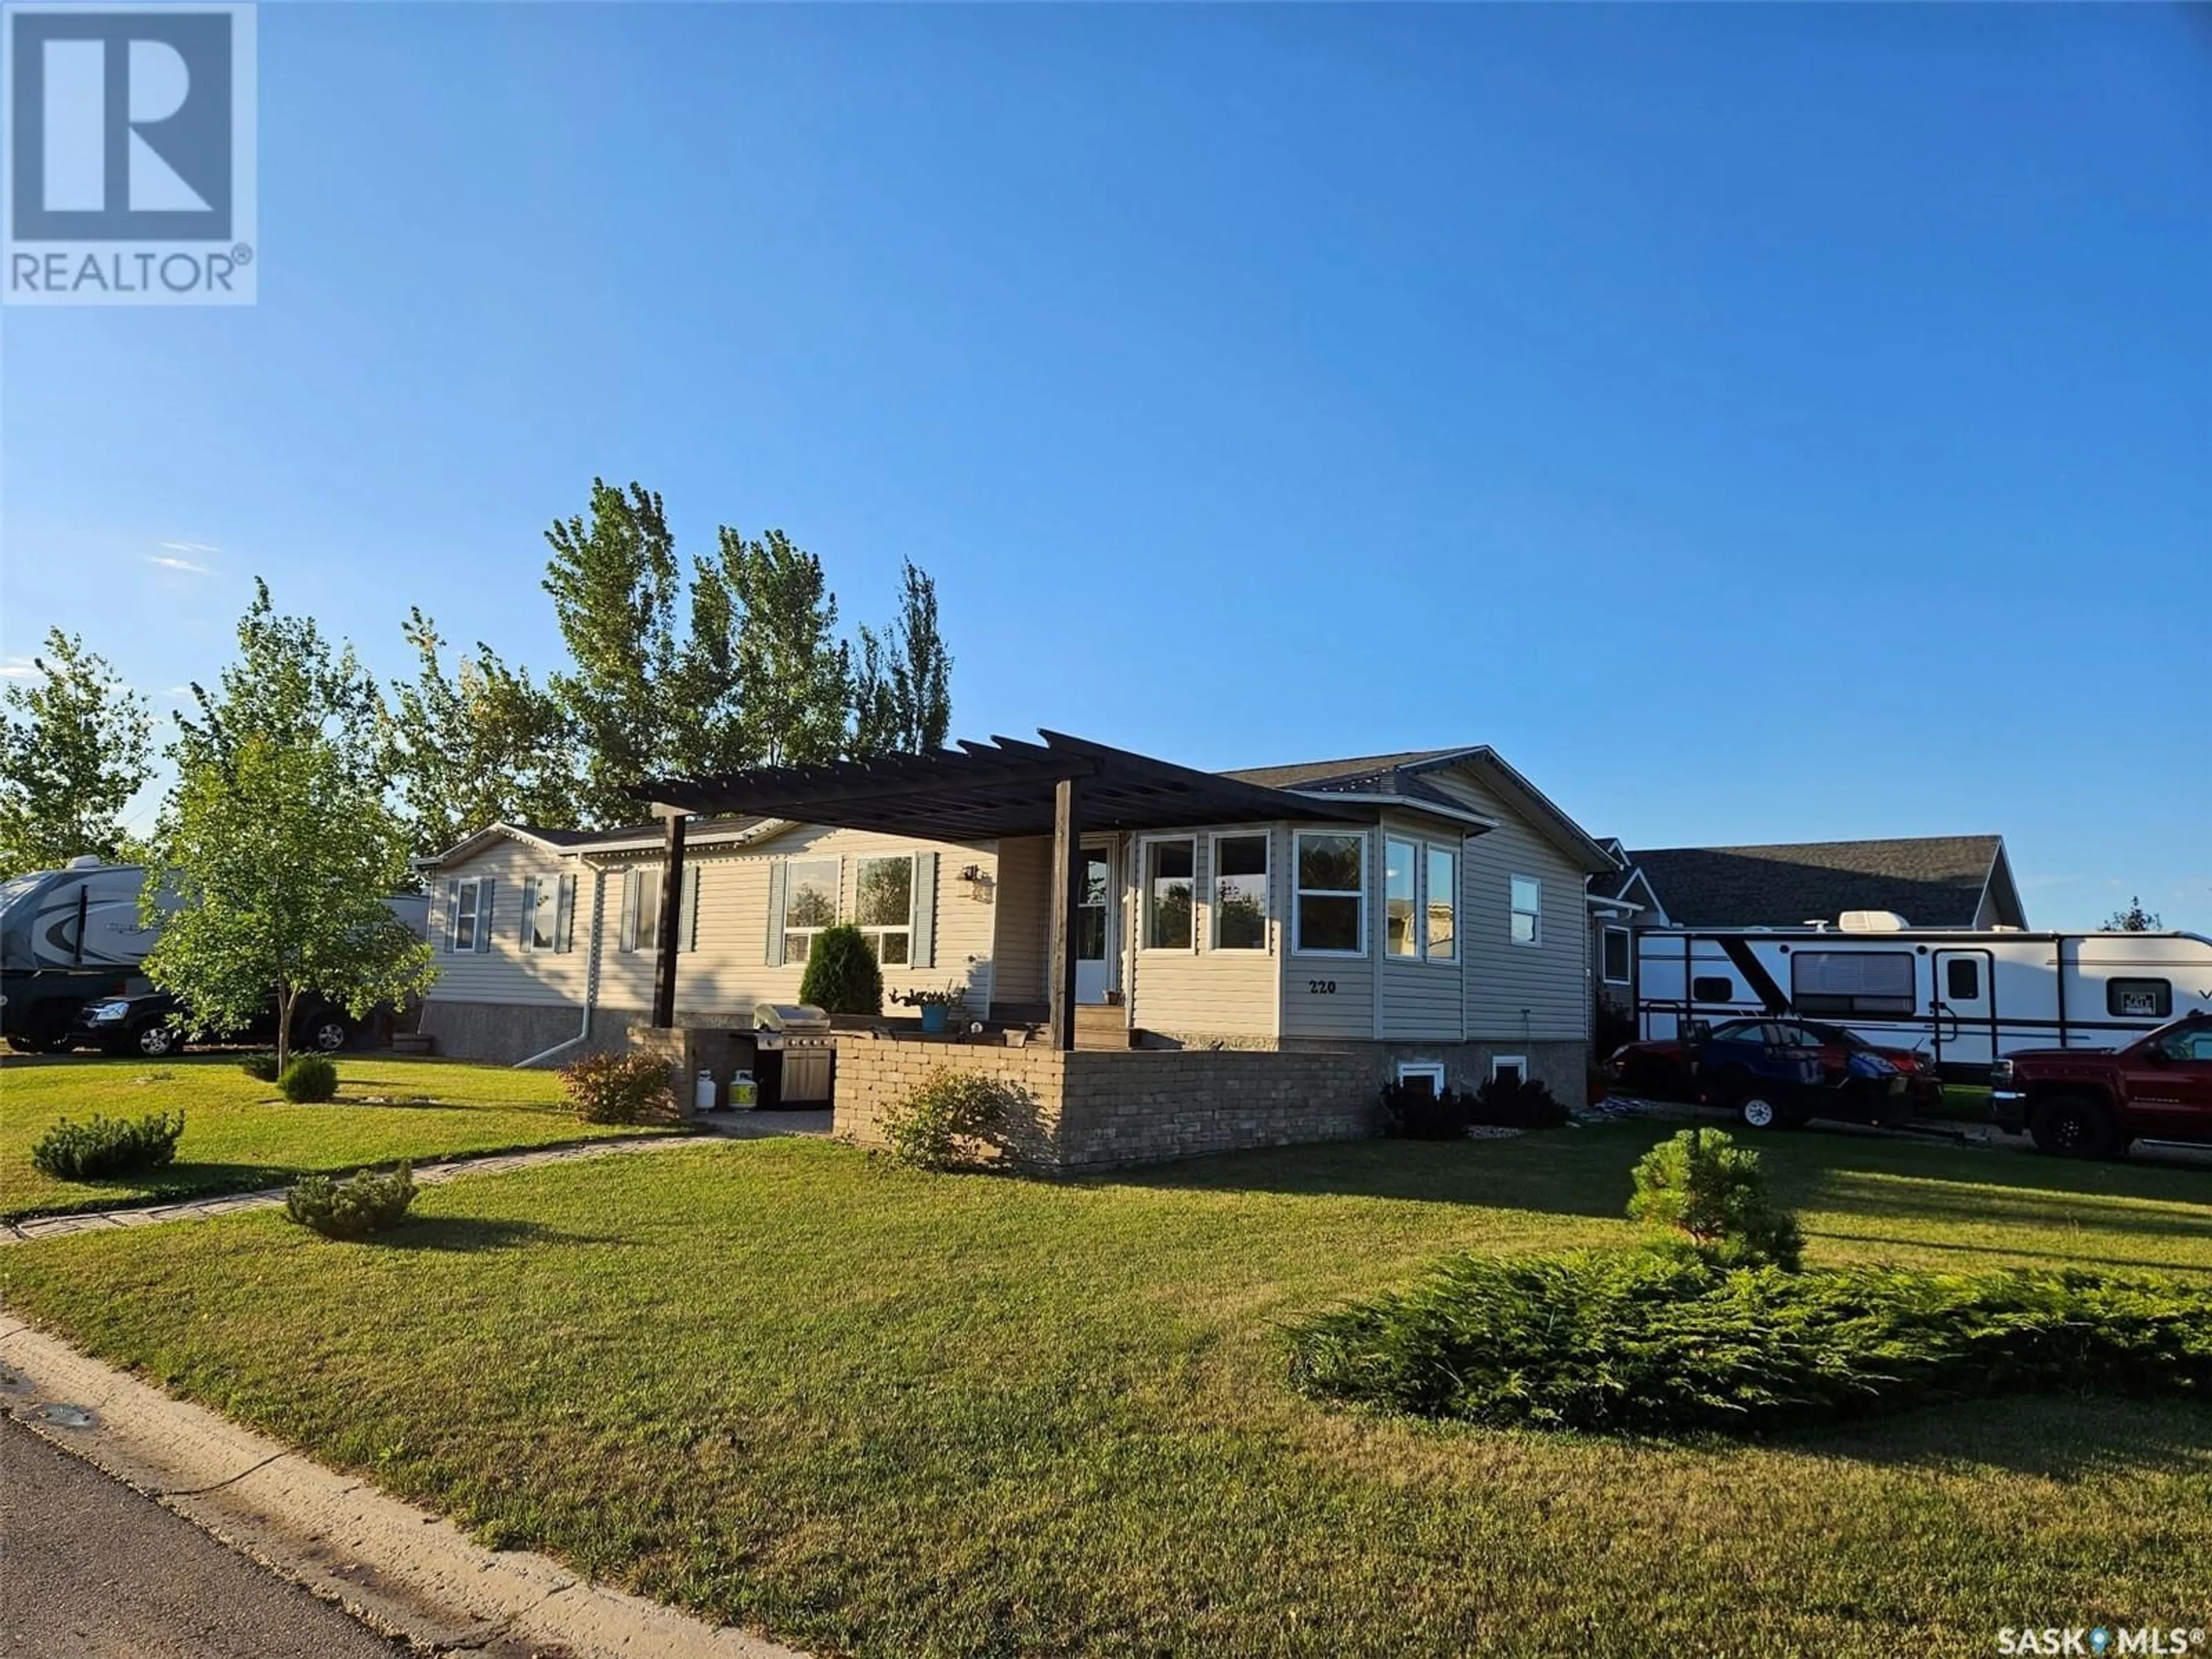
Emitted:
pixel 143 1025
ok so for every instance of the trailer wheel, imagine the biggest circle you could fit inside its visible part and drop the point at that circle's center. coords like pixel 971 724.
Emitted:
pixel 2072 1126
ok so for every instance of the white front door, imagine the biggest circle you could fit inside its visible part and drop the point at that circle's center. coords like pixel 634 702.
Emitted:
pixel 1094 925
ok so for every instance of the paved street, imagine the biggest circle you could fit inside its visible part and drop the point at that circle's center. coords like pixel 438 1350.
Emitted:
pixel 91 1569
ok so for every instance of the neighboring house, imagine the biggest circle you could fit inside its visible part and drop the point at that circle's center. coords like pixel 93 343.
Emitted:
pixel 1420 912
pixel 1962 882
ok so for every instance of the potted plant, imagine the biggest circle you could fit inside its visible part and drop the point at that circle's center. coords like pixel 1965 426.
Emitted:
pixel 936 1005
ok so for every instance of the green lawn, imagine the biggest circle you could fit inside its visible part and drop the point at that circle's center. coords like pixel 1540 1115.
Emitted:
pixel 240 1133
pixel 876 1413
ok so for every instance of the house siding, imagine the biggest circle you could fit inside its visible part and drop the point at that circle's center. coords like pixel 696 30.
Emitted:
pixel 1515 992
pixel 504 972
pixel 1421 999
pixel 1024 921
pixel 1346 1006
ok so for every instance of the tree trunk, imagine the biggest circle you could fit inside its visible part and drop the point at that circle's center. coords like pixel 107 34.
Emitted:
pixel 286 1000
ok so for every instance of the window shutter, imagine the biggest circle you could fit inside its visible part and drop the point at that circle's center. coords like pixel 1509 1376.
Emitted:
pixel 483 914
pixel 687 924
pixel 922 949
pixel 628 936
pixel 773 956
pixel 564 914
pixel 453 914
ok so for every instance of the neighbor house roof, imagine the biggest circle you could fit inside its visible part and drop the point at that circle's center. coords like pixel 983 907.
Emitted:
pixel 1932 881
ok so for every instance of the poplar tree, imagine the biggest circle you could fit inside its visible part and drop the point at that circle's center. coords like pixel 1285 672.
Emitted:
pixel 73 748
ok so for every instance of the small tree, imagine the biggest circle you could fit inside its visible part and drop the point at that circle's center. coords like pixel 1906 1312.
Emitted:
pixel 1704 1189
pixel 281 859
pixel 73 749
pixel 842 976
pixel 2133 920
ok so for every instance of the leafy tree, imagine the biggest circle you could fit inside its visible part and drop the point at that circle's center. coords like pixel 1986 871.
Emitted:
pixel 73 749
pixel 480 743
pixel 288 687
pixel 902 694
pixel 794 675
pixel 282 856
pixel 2133 920
pixel 615 581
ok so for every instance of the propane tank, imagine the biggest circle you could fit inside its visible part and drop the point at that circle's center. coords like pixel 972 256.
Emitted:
pixel 743 1096
pixel 703 1092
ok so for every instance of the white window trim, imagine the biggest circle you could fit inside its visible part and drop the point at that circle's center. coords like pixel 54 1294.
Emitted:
pixel 1418 853
pixel 1453 853
pixel 1519 1062
pixel 1266 945
pixel 1513 910
pixel 1433 1069
pixel 473 886
pixel 1605 932
pixel 836 905
pixel 1298 943
pixel 873 932
pixel 1144 844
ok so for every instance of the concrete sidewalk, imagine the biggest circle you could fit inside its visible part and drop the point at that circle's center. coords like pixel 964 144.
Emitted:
pixel 401 1570
pixel 725 1127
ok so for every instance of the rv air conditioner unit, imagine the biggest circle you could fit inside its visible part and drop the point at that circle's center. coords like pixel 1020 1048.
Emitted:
pixel 1872 921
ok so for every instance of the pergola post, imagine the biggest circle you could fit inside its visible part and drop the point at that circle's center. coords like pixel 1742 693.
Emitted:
pixel 672 915
pixel 1066 877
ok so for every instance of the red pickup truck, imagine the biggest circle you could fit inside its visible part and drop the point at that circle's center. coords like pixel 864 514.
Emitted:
pixel 2094 1103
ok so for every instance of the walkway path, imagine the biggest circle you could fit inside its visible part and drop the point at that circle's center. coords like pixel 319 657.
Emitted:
pixel 726 1127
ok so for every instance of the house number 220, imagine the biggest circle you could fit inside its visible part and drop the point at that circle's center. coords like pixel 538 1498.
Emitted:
pixel 1320 987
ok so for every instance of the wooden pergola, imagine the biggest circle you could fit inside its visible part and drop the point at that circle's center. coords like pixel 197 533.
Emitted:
pixel 1063 787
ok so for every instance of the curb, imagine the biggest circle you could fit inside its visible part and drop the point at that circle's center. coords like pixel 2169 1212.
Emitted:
pixel 401 1570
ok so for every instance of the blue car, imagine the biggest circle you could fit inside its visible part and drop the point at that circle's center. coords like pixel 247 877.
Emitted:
pixel 1771 1077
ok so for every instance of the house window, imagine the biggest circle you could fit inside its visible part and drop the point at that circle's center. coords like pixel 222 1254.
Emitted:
pixel 1852 982
pixel 1528 910
pixel 1442 910
pixel 1712 988
pixel 548 910
pixel 1962 979
pixel 467 896
pixel 1614 952
pixel 882 905
pixel 1401 927
pixel 1330 915
pixel 640 914
pixel 1170 878
pixel 1512 1068
pixel 2139 999
pixel 1240 892
pixel 1422 1074
pixel 810 903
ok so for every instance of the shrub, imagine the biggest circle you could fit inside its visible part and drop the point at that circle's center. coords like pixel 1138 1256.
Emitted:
pixel 1515 1102
pixel 1649 1342
pixel 841 975
pixel 308 1081
pixel 629 1088
pixel 1706 1191
pixel 946 1120
pixel 262 1068
pixel 364 1202
pixel 107 1147
pixel 1417 1112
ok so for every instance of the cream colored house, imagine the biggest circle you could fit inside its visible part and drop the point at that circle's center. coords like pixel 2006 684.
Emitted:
pixel 1421 914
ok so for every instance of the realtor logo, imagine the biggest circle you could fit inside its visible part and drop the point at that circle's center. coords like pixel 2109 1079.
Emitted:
pixel 129 173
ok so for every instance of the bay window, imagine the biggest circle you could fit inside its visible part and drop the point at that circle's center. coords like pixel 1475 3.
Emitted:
pixel 1441 910
pixel 1401 927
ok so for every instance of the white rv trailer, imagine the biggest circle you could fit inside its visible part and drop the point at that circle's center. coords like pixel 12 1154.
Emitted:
pixel 1965 999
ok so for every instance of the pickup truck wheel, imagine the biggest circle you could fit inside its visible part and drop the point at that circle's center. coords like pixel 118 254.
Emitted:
pixel 2072 1126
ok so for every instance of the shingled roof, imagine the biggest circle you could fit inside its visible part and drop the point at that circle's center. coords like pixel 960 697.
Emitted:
pixel 1932 881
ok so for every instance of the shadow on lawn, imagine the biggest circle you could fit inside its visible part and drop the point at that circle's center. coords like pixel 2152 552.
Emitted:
pixel 2048 1436
pixel 477 1236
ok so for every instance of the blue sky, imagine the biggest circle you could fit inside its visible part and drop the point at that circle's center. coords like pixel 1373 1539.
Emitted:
pixel 1760 423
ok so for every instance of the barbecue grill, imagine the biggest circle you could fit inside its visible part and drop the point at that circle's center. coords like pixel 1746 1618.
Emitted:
pixel 798 1033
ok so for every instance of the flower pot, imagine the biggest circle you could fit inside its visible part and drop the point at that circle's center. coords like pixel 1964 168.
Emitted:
pixel 933 1016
